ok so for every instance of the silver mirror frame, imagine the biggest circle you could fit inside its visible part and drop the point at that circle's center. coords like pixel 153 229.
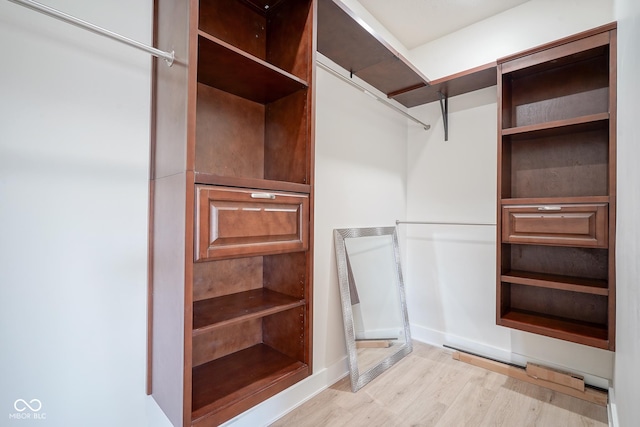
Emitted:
pixel 358 380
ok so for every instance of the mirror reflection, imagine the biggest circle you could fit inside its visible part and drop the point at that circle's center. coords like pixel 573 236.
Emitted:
pixel 373 303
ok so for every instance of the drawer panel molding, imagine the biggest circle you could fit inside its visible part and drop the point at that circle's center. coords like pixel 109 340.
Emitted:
pixel 235 222
pixel 561 225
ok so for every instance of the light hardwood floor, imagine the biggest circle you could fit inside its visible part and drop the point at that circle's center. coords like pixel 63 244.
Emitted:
pixel 429 388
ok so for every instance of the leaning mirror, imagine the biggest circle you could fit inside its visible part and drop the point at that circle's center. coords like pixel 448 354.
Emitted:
pixel 374 307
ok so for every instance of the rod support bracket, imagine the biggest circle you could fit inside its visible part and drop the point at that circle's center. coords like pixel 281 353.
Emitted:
pixel 444 107
pixel 170 59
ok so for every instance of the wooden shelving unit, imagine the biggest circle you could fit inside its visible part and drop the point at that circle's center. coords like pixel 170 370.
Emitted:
pixel 232 194
pixel 556 188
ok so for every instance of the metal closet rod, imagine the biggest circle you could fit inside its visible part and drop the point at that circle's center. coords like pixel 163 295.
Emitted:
pixel 357 86
pixel 169 57
pixel 444 223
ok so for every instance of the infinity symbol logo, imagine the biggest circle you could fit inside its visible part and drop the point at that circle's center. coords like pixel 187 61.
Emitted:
pixel 21 405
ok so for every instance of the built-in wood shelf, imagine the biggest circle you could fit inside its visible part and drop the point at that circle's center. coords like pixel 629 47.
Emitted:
pixel 232 70
pixel 347 41
pixel 560 127
pixel 456 84
pixel 263 184
pixel 239 307
pixel 553 281
pixel 554 200
pixel 586 333
pixel 224 382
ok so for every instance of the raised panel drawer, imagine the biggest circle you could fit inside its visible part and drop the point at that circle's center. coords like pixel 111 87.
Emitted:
pixel 232 222
pixel 561 225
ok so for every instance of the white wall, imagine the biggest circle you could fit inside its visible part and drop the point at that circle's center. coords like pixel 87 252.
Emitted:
pixel 74 156
pixel 451 269
pixel 626 380
pixel 531 24
pixel 360 182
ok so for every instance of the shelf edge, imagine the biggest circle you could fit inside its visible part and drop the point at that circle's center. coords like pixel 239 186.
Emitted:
pixel 556 124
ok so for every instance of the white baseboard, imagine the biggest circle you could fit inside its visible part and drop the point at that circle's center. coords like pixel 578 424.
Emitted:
pixel 437 338
pixel 612 409
pixel 284 402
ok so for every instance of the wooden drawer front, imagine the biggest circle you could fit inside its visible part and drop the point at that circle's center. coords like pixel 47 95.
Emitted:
pixel 241 222
pixel 563 225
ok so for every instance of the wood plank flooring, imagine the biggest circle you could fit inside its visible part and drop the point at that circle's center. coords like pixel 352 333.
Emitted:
pixel 429 388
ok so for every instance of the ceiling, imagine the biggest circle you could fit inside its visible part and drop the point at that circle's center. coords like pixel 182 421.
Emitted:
pixel 416 22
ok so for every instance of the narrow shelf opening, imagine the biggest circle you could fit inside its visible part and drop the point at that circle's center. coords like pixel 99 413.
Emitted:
pixel 574 306
pixel 227 68
pixel 588 333
pixel 565 261
pixel 562 164
pixel 557 90
pixel 226 381
pixel 276 33
pixel 239 138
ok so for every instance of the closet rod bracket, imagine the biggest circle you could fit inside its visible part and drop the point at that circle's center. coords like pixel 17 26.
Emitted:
pixel 444 107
